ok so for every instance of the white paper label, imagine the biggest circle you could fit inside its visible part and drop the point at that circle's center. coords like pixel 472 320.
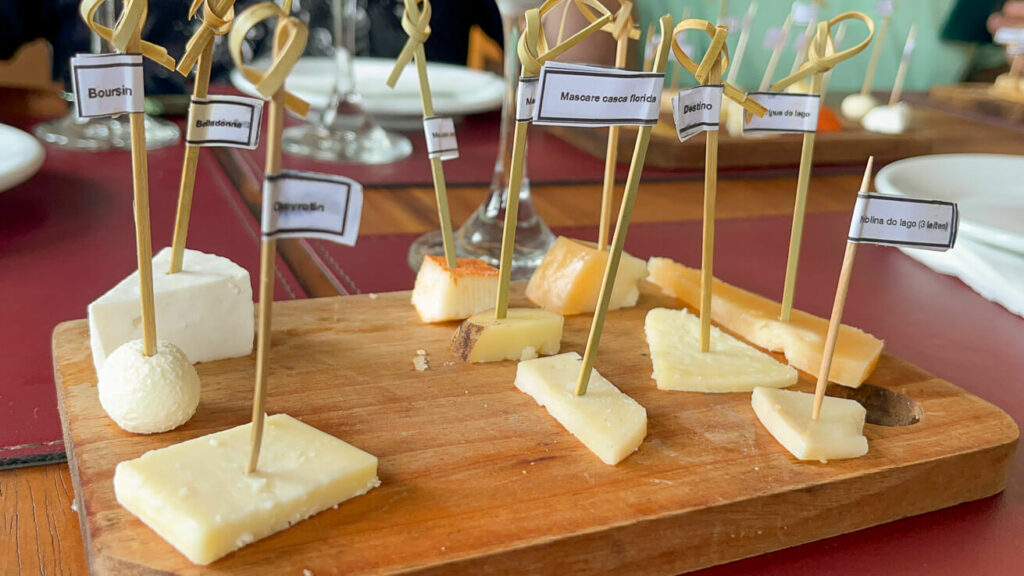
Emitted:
pixel 1009 36
pixel 901 221
pixel 229 121
pixel 908 48
pixel 787 113
pixel 526 98
pixel 884 8
pixel 440 135
pixel 732 23
pixel 582 95
pixel 310 205
pixel 804 12
pixel 107 84
pixel 772 38
pixel 697 110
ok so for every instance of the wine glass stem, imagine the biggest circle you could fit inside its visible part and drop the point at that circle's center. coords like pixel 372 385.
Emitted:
pixel 503 163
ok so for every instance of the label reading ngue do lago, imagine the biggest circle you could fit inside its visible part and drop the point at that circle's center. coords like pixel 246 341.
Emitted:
pixel 787 113
pixel 107 84
pixel 440 134
pixel 902 221
pixel 583 95
pixel 526 98
pixel 229 121
pixel 697 110
pixel 309 205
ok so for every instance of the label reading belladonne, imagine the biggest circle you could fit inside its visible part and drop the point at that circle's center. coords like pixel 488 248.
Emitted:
pixel 107 84
pixel 230 121
pixel 582 95
pixel 901 221
pixel 310 205
pixel 787 113
pixel 697 110
pixel 440 134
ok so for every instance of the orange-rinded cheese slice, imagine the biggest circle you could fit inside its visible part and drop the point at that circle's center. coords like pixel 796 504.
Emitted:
pixel 756 319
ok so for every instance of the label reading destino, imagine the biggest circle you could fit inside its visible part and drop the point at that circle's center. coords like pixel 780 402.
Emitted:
pixel 440 134
pixel 107 84
pixel 526 97
pixel 787 113
pixel 310 205
pixel 582 95
pixel 232 121
pixel 901 221
pixel 697 110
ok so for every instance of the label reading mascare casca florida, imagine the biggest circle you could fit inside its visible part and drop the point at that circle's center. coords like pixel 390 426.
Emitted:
pixel 697 110
pixel 107 84
pixel 230 121
pixel 310 205
pixel 582 95
pixel 901 221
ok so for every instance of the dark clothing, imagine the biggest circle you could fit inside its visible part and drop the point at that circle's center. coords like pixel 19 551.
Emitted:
pixel 967 21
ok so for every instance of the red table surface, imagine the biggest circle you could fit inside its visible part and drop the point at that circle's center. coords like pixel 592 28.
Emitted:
pixel 68 236
pixel 931 320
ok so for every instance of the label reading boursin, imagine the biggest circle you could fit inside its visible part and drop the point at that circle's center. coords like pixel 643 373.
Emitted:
pixel 697 110
pixel 526 97
pixel 310 205
pixel 787 113
pixel 901 221
pixel 107 84
pixel 232 121
pixel 581 95
pixel 440 134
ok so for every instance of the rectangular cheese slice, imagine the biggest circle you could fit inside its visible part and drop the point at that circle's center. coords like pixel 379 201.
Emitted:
pixel 609 423
pixel 206 309
pixel 442 293
pixel 568 280
pixel 197 496
pixel 837 433
pixel 756 319
pixel 728 366
pixel 523 333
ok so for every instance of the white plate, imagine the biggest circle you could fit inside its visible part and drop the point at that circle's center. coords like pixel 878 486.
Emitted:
pixel 989 189
pixel 457 90
pixel 21 155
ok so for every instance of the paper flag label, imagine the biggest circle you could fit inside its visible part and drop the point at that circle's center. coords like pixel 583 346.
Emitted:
pixel 908 48
pixel 901 221
pixel 582 95
pixel 230 121
pixel 1009 36
pixel 697 110
pixel 732 23
pixel 804 12
pixel 884 8
pixel 310 205
pixel 787 113
pixel 772 38
pixel 107 84
pixel 440 134
pixel 526 97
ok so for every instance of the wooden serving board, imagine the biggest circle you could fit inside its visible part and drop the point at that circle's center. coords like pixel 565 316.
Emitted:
pixel 982 99
pixel 477 478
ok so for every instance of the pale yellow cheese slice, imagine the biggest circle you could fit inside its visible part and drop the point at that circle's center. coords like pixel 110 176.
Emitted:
pixel 609 423
pixel 568 280
pixel 442 293
pixel 756 319
pixel 197 496
pixel 524 333
pixel 837 433
pixel 728 366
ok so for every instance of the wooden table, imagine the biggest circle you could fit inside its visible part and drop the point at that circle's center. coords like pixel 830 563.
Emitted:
pixel 39 532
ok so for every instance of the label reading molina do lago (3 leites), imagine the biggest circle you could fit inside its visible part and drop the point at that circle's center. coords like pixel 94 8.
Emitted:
pixel 309 205
pixel 583 95
pixel 787 113
pixel 902 221
pixel 440 134
pixel 697 110
pixel 107 84
pixel 231 121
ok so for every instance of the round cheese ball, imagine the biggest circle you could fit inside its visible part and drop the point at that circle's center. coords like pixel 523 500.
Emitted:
pixel 888 119
pixel 855 106
pixel 148 394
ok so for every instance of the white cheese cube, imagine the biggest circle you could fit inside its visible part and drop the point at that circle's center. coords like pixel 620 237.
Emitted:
pixel 442 293
pixel 523 332
pixel 837 433
pixel 206 309
pixel 197 496
pixel 609 423
pixel 728 366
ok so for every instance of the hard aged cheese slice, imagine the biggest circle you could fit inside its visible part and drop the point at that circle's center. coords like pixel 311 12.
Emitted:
pixel 568 280
pixel 206 309
pixel 609 423
pixel 837 433
pixel 756 319
pixel 728 366
pixel 522 334
pixel 442 293
pixel 197 496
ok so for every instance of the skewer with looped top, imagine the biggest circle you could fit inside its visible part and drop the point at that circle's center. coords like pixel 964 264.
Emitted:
pixel 416 23
pixel 623 30
pixel 709 72
pixel 533 53
pixel 217 18
pixel 290 36
pixel 126 37
pixel 821 57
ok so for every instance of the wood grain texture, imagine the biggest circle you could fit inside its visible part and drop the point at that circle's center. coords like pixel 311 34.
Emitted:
pixel 478 478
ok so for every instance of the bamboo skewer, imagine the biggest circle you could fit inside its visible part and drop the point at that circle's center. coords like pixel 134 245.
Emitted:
pixel 901 73
pixel 741 44
pixel 773 62
pixel 876 56
pixel 707 258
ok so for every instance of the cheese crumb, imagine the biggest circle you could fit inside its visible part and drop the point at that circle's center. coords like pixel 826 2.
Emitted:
pixel 74 505
pixel 421 352
pixel 420 363
pixel 307 571
pixel 373 296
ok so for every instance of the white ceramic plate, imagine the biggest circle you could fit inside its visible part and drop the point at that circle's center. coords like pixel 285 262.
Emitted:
pixel 988 188
pixel 457 90
pixel 21 155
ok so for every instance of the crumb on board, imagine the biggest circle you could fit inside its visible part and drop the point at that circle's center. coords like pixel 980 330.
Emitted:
pixel 307 572
pixel 74 505
pixel 420 363
pixel 421 352
pixel 374 295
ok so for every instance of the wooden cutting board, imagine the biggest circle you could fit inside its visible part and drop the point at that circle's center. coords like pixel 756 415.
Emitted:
pixel 477 478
